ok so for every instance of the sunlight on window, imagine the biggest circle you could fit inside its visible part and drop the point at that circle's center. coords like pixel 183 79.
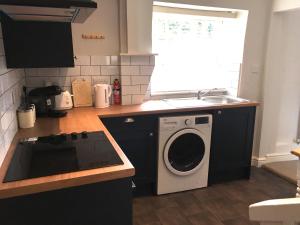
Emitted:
pixel 196 52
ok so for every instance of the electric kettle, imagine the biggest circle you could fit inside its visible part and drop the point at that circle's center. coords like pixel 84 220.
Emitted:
pixel 102 95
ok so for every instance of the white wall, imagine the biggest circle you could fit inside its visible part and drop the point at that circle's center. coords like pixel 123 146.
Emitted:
pixel 283 5
pixel 281 87
pixel 104 21
pixel 11 82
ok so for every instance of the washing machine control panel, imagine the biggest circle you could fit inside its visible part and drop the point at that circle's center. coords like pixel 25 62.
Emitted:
pixel 202 120
pixel 188 122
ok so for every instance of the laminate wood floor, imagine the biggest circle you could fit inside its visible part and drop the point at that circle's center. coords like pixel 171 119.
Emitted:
pixel 222 204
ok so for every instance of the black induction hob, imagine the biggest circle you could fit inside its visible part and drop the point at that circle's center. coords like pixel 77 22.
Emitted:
pixel 58 154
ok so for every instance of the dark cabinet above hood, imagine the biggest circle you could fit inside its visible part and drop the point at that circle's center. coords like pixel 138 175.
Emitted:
pixel 73 11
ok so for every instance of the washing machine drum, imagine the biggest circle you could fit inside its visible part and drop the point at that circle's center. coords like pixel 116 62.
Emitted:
pixel 184 152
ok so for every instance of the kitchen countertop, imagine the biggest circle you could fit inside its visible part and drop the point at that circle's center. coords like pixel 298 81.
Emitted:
pixel 86 119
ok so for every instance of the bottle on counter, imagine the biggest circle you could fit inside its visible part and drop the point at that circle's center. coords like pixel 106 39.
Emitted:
pixel 117 92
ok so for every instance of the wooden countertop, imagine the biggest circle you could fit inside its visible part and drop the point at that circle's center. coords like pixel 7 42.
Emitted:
pixel 296 152
pixel 85 119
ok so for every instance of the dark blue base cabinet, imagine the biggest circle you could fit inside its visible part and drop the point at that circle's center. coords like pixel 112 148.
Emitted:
pixel 231 144
pixel 104 203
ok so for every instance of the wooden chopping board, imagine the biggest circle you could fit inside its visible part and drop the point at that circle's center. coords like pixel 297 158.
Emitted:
pixel 82 93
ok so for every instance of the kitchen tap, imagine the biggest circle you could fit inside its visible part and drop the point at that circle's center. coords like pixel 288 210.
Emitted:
pixel 203 93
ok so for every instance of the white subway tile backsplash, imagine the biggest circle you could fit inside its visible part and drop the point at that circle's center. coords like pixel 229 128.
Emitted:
pixel 140 80
pixel 140 60
pixel 87 78
pixel 131 90
pixel 100 60
pixel 3 68
pixel 6 119
pixel 90 70
pixel 115 60
pixel 147 70
pixel 137 99
pixel 112 78
pixel 1 48
pixel 71 71
pixel 126 80
pixel 110 70
pixel 130 70
pixel 145 88
pixel 126 100
pixel 82 61
pixel 48 72
pixel 125 60
pixel 101 79
pixel 152 60
pixel 10 132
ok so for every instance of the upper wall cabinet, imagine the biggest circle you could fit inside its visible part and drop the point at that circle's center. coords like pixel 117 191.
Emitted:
pixel 285 5
pixel 73 11
pixel 139 26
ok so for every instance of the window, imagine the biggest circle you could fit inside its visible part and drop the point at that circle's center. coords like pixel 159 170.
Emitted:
pixel 196 49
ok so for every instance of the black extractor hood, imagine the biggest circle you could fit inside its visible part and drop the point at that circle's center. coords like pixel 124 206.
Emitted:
pixel 71 11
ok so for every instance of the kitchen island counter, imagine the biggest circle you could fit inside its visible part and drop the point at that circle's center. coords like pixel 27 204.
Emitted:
pixel 87 119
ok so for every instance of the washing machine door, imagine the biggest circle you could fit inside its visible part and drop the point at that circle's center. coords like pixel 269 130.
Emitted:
pixel 184 152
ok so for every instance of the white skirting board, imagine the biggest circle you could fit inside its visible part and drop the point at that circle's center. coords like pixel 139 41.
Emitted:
pixel 275 157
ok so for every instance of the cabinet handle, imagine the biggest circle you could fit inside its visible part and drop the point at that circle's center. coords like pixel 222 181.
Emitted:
pixel 151 134
pixel 219 112
pixel 129 120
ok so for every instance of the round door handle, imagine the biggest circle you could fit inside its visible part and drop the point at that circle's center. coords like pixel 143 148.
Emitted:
pixel 219 112
pixel 151 134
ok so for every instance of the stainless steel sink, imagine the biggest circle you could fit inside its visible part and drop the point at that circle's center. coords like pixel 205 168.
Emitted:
pixel 222 99
pixel 204 101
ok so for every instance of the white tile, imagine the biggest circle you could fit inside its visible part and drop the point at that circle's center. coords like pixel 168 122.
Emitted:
pixel 115 60
pixel 1 48
pixel 101 79
pixel 126 80
pixel 137 99
pixel 87 78
pixel 6 120
pixel 83 61
pixel 10 133
pixel 2 149
pixel 35 82
pixel 140 60
pixel 1 36
pixel 110 70
pixel 2 106
pixel 145 88
pixel 70 71
pixel 41 81
pixel 90 70
pixel 126 99
pixel 147 70
pixel 3 68
pixel 125 60
pixel 48 72
pixel 100 60
pixel 8 99
pixel 60 81
pixel 140 80
pixel 31 72
pixel 130 70
pixel 131 90
pixel 152 60
pixel 112 78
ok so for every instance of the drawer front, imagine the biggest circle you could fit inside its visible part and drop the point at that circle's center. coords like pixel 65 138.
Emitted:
pixel 130 122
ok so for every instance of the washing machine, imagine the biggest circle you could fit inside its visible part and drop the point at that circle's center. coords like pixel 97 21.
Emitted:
pixel 183 154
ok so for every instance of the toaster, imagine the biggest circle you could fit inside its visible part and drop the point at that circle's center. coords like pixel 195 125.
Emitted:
pixel 63 101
